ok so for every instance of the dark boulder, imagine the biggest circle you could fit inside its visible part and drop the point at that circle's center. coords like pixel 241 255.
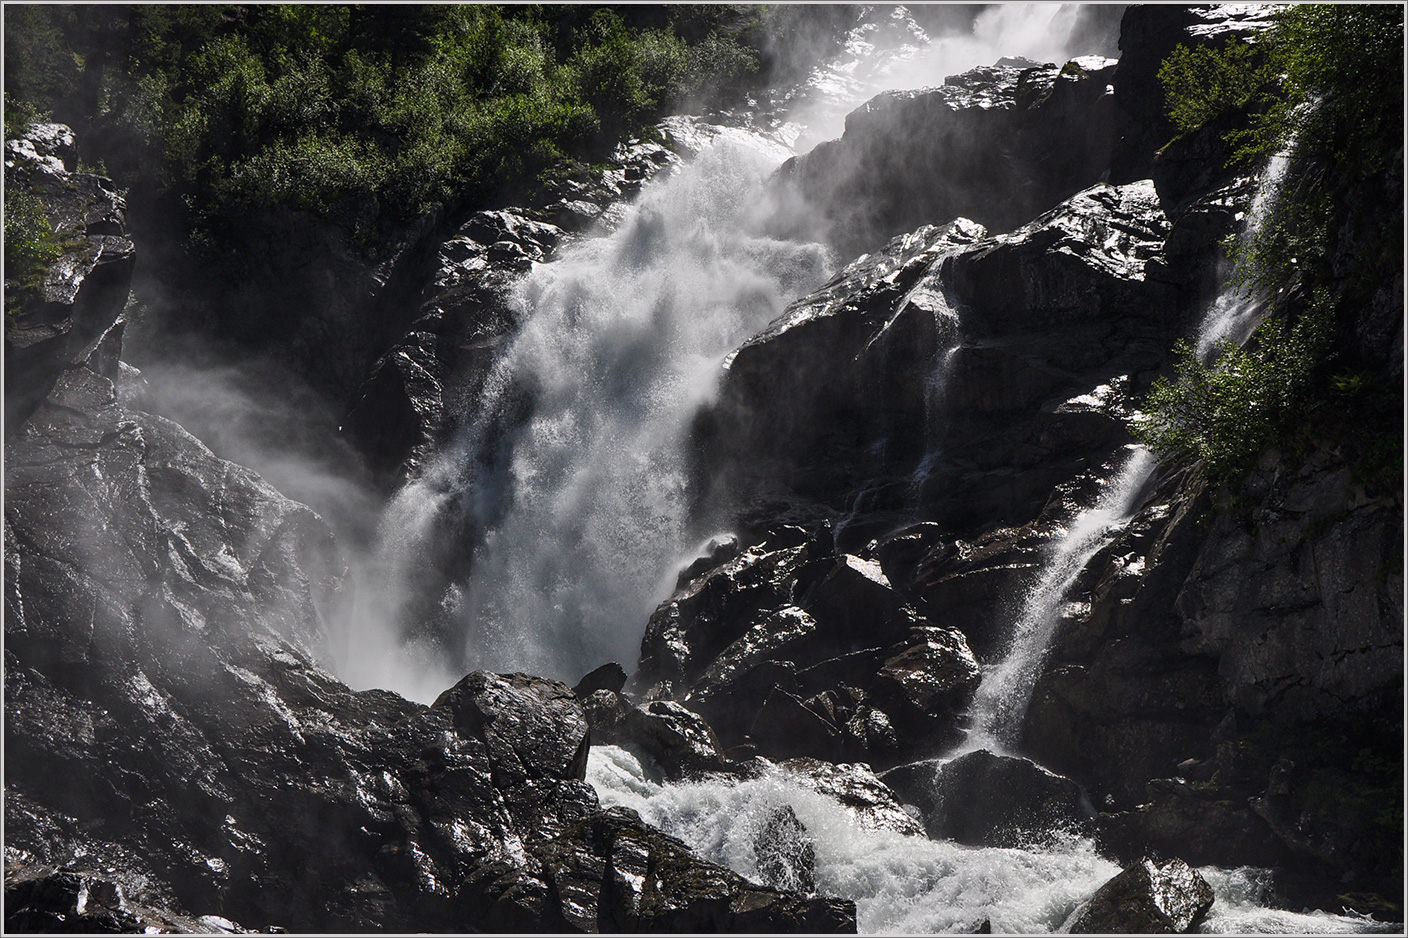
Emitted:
pixel 40 899
pixel 1147 898
pixel 869 800
pixel 613 873
pixel 805 399
pixel 610 676
pixel 798 651
pixel 985 800
pixel 676 738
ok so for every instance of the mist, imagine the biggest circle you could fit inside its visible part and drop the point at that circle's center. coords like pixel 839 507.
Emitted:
pixel 569 486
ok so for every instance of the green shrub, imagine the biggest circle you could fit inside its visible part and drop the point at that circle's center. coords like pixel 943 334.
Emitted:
pixel 1323 87
pixel 30 247
pixel 1225 413
pixel 233 108
pixel 1203 84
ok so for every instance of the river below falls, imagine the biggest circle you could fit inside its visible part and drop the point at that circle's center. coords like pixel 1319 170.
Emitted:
pixel 910 885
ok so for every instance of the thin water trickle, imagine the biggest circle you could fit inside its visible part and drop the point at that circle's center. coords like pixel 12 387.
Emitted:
pixel 1006 689
pixel 1001 702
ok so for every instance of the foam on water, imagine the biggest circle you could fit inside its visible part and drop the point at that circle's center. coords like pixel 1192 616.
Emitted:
pixel 901 884
pixel 909 884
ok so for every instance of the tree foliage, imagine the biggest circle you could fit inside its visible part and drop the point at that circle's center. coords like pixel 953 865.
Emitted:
pixel 1227 412
pixel 1324 90
pixel 240 107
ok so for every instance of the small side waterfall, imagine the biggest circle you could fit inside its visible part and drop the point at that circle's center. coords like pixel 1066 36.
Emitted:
pixel 1000 704
pixel 1006 690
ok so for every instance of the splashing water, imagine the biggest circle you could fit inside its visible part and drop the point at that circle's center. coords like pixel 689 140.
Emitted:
pixel 622 338
pixel 907 884
pixel 901 884
pixel 1235 313
pixel 1006 689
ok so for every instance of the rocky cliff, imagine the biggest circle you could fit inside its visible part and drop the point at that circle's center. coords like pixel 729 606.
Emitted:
pixel 898 456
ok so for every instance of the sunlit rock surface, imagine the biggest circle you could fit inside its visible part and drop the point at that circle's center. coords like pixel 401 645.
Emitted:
pixel 1148 898
pixel 74 312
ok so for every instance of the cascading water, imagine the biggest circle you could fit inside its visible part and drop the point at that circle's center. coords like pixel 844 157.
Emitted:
pixel 1006 689
pixel 908 884
pixel 1002 699
pixel 583 519
pixel 584 514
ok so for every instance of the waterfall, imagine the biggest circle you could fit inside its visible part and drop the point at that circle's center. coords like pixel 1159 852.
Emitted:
pixel 1000 704
pixel 1234 315
pixel 1006 689
pixel 583 505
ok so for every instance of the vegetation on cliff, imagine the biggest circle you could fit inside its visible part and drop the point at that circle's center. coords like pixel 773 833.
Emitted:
pixel 1326 85
pixel 363 112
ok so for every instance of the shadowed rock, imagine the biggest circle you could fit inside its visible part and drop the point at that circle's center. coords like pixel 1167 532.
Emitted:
pixel 1147 898
pixel 986 800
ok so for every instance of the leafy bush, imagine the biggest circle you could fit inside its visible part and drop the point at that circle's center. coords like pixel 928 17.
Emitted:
pixel 1204 83
pixel 1225 413
pixel 240 107
pixel 1323 88
pixel 30 247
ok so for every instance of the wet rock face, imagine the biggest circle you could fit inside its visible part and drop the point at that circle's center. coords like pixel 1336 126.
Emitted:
pixel 43 899
pixel 986 800
pixel 785 854
pixel 789 409
pixel 799 651
pixel 1298 622
pixel 967 378
pixel 613 873
pixel 998 144
pixel 79 301
pixel 1167 899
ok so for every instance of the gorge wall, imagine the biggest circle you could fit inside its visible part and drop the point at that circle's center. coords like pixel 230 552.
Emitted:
pixel 941 392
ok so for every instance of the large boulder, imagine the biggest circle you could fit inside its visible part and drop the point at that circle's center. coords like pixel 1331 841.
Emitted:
pixel 969 375
pixel 1147 898
pixel 791 649
pixel 986 800
pixel 806 399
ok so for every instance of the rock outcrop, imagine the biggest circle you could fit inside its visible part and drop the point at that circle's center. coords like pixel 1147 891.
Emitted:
pixel 73 313
pixel 998 144
pixel 986 800
pixel 794 650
